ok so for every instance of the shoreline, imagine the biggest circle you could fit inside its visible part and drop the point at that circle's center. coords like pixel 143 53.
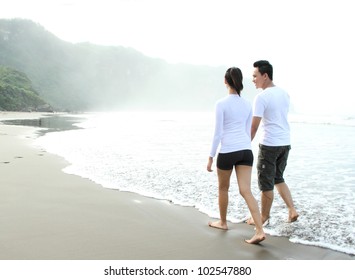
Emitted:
pixel 47 214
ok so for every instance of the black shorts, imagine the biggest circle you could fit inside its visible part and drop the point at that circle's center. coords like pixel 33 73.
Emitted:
pixel 228 160
pixel 271 165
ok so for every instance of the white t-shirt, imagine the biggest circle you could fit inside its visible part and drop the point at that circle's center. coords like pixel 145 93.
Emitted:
pixel 272 105
pixel 233 125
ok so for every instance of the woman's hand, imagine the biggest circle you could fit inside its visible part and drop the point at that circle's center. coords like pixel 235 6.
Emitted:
pixel 209 164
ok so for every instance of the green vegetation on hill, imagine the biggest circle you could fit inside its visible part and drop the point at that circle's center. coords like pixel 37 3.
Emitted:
pixel 17 93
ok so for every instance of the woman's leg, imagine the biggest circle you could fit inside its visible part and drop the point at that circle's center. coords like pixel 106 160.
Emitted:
pixel 223 187
pixel 244 183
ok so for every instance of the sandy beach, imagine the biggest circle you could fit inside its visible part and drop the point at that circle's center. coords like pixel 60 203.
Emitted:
pixel 46 214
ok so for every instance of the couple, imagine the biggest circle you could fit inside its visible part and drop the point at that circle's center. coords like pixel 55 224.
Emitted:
pixel 235 127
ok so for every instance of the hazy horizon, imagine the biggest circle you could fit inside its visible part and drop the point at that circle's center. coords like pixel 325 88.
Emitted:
pixel 307 42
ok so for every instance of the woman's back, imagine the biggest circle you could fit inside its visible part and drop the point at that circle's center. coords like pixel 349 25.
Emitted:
pixel 233 123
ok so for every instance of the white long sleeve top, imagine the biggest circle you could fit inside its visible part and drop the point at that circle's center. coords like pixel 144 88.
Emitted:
pixel 233 116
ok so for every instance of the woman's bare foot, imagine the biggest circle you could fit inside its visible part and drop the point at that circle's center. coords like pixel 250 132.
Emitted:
pixel 256 239
pixel 218 224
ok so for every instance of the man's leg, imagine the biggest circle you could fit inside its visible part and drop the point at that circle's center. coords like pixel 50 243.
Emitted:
pixel 266 174
pixel 285 194
pixel 282 187
pixel 267 197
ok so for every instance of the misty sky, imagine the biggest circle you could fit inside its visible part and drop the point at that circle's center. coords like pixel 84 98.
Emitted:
pixel 309 42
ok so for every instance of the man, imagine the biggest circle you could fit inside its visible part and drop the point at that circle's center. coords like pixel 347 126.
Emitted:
pixel 271 109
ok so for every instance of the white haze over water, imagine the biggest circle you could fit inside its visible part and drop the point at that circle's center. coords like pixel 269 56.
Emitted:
pixel 310 43
pixel 164 155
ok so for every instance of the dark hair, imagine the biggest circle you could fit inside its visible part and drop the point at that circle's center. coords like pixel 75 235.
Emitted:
pixel 234 78
pixel 264 67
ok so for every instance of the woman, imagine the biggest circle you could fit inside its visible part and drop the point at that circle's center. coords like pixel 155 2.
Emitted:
pixel 232 134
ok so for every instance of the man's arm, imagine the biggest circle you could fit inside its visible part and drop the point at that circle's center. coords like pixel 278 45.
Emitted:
pixel 254 126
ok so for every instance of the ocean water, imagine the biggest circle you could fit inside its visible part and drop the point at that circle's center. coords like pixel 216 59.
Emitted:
pixel 164 155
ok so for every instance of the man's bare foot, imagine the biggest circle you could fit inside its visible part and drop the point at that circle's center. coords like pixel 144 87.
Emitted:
pixel 256 239
pixel 292 218
pixel 218 224
pixel 251 222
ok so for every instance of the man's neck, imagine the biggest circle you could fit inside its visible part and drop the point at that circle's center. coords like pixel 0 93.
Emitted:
pixel 268 84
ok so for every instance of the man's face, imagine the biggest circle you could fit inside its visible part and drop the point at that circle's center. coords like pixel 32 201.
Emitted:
pixel 258 79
